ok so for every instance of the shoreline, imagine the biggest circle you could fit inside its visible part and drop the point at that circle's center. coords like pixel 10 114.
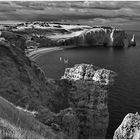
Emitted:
pixel 37 53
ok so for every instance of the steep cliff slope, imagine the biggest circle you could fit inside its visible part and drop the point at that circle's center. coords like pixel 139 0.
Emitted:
pixel 22 82
pixel 18 123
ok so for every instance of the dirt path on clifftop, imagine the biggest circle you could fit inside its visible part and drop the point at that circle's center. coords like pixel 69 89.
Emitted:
pixel 35 54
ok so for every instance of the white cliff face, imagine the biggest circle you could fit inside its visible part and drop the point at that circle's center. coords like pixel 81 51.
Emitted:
pixel 89 72
pixel 133 41
pixel 95 36
pixel 105 37
pixel 129 128
pixel 111 39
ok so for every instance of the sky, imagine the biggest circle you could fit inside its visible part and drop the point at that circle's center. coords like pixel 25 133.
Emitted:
pixel 86 12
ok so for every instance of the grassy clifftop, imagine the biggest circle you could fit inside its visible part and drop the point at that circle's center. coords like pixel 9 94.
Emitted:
pixel 21 124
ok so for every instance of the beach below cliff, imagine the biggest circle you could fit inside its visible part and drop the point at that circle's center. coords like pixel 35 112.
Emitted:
pixel 36 53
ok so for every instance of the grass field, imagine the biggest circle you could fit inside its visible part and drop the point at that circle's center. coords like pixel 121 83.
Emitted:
pixel 19 123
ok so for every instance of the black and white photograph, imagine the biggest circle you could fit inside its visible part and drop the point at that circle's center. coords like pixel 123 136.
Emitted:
pixel 69 69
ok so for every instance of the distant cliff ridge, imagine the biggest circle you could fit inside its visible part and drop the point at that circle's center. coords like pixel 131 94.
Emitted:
pixel 99 36
pixel 43 34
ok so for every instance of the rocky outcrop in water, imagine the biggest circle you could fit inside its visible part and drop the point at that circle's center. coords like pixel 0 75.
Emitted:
pixel 129 128
pixel 68 108
pixel 133 41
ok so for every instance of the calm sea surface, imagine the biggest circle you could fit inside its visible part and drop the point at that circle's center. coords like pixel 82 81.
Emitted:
pixel 124 95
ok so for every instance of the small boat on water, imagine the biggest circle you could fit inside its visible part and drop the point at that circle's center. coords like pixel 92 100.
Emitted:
pixel 60 58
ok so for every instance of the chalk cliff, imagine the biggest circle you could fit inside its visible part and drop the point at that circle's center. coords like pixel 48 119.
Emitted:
pixel 129 128
pixel 68 108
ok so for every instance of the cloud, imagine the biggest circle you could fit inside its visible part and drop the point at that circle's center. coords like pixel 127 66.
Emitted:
pixel 5 7
pixel 102 11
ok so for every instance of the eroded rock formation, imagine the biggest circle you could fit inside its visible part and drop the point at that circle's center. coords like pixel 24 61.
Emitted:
pixel 129 128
